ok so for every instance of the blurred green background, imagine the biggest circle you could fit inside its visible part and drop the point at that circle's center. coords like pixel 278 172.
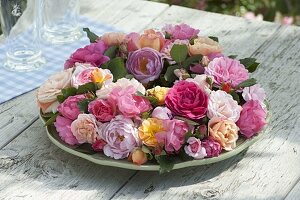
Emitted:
pixel 280 11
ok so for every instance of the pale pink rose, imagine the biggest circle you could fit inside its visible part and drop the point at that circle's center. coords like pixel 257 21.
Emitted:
pixel 63 127
pixel 194 148
pixel 254 92
pixel 222 105
pixel 253 118
pixel 133 41
pixel 104 92
pixel 223 131
pixel 84 73
pixel 128 103
pixel 201 81
pixel 204 46
pixel 104 110
pixel 227 70
pixel 47 93
pixel 162 113
pixel 173 135
pixel 69 108
pixel 111 39
pixel 85 128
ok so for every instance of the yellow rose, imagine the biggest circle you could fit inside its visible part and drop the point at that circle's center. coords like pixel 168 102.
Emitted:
pixel 159 93
pixel 204 46
pixel 224 132
pixel 148 129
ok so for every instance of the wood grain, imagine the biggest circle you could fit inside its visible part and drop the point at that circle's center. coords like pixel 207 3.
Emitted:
pixel 294 193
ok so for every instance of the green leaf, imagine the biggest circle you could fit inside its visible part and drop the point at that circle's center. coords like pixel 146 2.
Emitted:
pixel 85 148
pixel 232 56
pixel 147 151
pixel 60 98
pixel 214 38
pixel 52 119
pixel 183 156
pixel 111 52
pixel 187 120
pixel 169 75
pixel 165 162
pixel 88 87
pixel 235 96
pixel 92 36
pixel 153 100
pixel 190 60
pixel 83 105
pixel 188 135
pixel 250 64
pixel 179 52
pixel 116 67
pixel 47 115
pixel 247 83
pixel 71 91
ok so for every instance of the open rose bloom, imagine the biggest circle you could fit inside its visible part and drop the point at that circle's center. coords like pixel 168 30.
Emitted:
pixel 154 95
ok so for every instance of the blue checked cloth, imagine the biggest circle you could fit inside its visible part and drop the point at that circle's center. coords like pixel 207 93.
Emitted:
pixel 13 84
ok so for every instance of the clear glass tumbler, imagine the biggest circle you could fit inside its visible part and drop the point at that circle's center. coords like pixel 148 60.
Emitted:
pixel 21 29
pixel 60 21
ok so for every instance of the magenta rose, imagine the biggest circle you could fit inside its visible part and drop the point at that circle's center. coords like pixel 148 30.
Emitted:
pixel 69 108
pixel 92 53
pixel 227 70
pixel 187 99
pixel 173 136
pixel 145 64
pixel 63 127
pixel 181 31
pixel 104 110
pixel 252 119
pixel 212 147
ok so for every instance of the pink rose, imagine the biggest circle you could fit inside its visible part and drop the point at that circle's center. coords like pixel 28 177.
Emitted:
pixel 162 113
pixel 69 108
pixel 103 110
pixel 111 39
pixel 227 70
pixel 212 147
pixel 63 127
pixel 173 135
pixel 254 92
pixel 222 105
pixel 253 118
pixel 194 148
pixel 181 31
pixel 128 103
pixel 85 128
pixel 98 145
pixel 187 99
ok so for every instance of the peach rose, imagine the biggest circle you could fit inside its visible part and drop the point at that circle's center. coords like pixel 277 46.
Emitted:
pixel 47 93
pixel 204 46
pixel 85 128
pixel 224 132
pixel 111 39
pixel 138 157
pixel 152 39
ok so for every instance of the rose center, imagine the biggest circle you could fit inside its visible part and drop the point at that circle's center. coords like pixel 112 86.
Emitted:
pixel 143 65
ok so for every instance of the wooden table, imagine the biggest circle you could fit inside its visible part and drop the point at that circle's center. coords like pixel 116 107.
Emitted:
pixel 32 167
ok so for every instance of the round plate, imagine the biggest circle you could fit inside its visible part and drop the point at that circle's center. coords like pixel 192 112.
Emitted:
pixel 101 159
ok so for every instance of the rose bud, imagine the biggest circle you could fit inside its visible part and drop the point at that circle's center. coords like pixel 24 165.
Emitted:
pixel 138 157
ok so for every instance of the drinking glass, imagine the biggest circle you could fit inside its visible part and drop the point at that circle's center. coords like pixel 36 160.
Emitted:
pixel 60 21
pixel 21 30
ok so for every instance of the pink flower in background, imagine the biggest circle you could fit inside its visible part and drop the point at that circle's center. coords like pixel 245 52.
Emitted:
pixel 121 137
pixel 128 103
pixel 85 128
pixel 254 92
pixel 162 113
pixel 222 105
pixel 252 16
pixel 181 31
pixel 92 54
pixel 227 70
pixel 187 99
pixel 104 110
pixel 173 135
pixel 287 20
pixel 69 108
pixel 194 148
pixel 253 118
pixel 212 147
pixel 63 127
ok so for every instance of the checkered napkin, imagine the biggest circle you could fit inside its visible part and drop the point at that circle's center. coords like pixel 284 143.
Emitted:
pixel 13 84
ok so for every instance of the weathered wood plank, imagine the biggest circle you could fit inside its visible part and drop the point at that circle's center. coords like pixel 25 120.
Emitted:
pixel 270 168
pixel 294 193
pixel 17 114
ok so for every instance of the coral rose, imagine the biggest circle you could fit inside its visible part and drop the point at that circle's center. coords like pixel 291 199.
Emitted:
pixel 69 108
pixel 223 131
pixel 204 46
pixel 159 93
pixel 187 99
pixel 63 127
pixel 85 128
pixel 253 118
pixel 111 39
pixel 47 93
